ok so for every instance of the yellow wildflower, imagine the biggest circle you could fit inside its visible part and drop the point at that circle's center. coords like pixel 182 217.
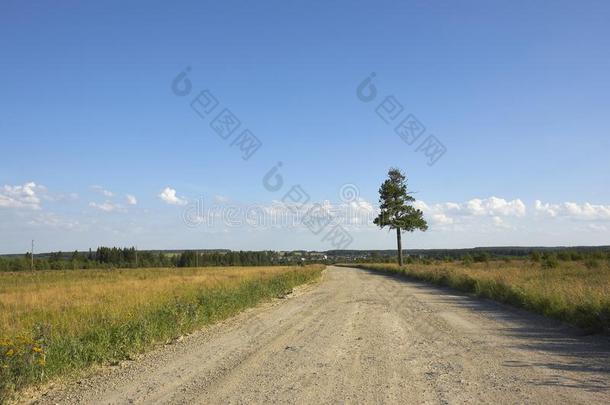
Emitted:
pixel 36 349
pixel 10 353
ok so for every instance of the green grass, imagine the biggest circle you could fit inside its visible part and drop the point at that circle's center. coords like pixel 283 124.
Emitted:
pixel 63 322
pixel 571 291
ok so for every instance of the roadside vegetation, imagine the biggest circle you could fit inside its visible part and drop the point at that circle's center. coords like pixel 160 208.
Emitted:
pixel 575 291
pixel 57 322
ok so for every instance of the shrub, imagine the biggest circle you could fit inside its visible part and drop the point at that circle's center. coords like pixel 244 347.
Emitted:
pixel 467 260
pixel 596 255
pixel 535 256
pixel 482 257
pixel 549 261
pixel 592 263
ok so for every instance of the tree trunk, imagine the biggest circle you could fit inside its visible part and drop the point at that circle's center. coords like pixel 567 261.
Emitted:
pixel 399 242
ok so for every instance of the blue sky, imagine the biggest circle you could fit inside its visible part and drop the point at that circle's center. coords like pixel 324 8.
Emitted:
pixel 517 92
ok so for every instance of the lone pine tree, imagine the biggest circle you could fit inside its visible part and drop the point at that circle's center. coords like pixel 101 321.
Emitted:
pixel 396 209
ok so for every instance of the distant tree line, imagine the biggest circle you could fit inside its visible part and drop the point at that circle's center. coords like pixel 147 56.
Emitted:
pixel 106 257
pixel 547 256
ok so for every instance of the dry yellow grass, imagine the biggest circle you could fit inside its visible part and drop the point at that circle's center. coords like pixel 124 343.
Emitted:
pixel 54 322
pixel 571 282
pixel 69 298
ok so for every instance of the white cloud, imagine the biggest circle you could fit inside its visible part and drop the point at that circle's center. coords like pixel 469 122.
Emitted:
pixel 357 212
pixel 547 209
pixel 441 219
pixel 107 206
pixel 169 196
pixel 131 199
pixel 501 223
pixel 474 212
pixel 585 211
pixel 221 199
pixel 51 220
pixel 24 196
pixel 598 228
pixel 63 197
pixel 450 213
pixel 102 191
pixel 494 206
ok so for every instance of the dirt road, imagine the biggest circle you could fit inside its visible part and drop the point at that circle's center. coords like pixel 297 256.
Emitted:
pixel 362 337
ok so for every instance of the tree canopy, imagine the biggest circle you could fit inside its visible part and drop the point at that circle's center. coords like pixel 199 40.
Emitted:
pixel 395 204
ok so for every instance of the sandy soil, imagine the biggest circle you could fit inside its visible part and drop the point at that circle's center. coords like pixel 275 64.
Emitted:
pixel 363 337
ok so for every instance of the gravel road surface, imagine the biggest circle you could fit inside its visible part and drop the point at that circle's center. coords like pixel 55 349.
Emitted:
pixel 363 337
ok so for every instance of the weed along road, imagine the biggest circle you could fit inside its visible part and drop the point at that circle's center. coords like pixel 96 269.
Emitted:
pixel 364 337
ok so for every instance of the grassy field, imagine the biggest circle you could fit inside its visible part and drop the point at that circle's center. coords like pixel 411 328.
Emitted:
pixel 572 291
pixel 58 322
